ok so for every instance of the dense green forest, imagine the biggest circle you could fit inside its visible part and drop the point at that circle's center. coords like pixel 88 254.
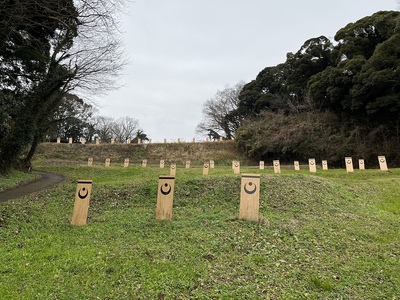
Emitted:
pixel 330 99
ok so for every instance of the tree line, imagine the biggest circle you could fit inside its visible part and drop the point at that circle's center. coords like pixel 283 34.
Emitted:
pixel 79 120
pixel 328 100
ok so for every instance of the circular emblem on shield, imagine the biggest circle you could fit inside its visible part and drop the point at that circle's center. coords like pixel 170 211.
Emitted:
pixel 382 160
pixel 165 189
pixel 250 188
pixel 83 192
pixel 348 161
pixel 312 162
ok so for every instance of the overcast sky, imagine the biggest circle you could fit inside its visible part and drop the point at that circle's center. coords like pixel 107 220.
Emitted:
pixel 182 52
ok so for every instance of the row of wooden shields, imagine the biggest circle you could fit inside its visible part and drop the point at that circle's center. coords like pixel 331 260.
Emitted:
pixel 248 210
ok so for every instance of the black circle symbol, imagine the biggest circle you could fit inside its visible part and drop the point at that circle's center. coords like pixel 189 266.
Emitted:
pixel 167 191
pixel 361 162
pixel 296 163
pixel 312 162
pixel 250 192
pixel 236 165
pixel 348 161
pixel 83 196
pixel 276 164
pixel 172 167
pixel 205 166
pixel 324 163
pixel 382 160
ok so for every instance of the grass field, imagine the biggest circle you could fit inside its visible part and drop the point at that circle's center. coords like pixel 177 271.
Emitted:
pixel 329 235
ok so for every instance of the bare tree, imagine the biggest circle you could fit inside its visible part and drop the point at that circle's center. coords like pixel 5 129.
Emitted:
pixel 219 113
pixel 125 128
pixel 103 127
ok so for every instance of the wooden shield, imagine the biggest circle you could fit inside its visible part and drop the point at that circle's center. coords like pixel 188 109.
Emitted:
pixel 81 204
pixel 165 197
pixel 249 197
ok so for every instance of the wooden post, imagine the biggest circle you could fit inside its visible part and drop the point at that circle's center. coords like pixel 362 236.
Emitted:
pixel 262 165
pixel 172 170
pixel 81 204
pixel 312 165
pixel 382 163
pixel 324 165
pixel 161 164
pixel 277 166
pixel 90 161
pixel 70 140
pixel 112 141
pixel 144 163
pixel 236 167
pixel 107 162
pixel 128 141
pixel 361 164
pixel 126 162
pixel 58 140
pixel 349 164
pixel 139 141
pixel 187 166
pixel 212 165
pixel 249 197
pixel 206 167
pixel 165 197
pixel 83 141
pixel 97 141
pixel 296 165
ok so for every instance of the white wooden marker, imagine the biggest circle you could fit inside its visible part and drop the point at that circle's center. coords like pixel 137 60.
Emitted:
pixel 312 165
pixel 349 164
pixel 139 141
pixel 361 164
pixel 107 162
pixel 162 164
pixel 70 140
pixel 324 165
pixel 212 165
pixel 97 141
pixel 112 141
pixel 58 140
pixel 236 167
pixel 277 166
pixel 144 163
pixel 296 165
pixel 81 204
pixel 128 141
pixel 261 165
pixel 165 197
pixel 206 168
pixel 172 170
pixel 382 163
pixel 187 166
pixel 83 141
pixel 249 197
pixel 126 162
pixel 90 161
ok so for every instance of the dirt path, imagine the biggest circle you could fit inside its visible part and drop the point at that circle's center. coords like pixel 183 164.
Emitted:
pixel 46 180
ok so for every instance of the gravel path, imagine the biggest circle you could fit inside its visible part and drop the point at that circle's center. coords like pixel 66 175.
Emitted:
pixel 46 180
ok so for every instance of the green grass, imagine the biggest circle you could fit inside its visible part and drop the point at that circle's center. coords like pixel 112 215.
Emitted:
pixel 15 178
pixel 330 235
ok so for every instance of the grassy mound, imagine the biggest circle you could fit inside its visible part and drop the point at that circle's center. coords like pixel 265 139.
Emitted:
pixel 330 236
